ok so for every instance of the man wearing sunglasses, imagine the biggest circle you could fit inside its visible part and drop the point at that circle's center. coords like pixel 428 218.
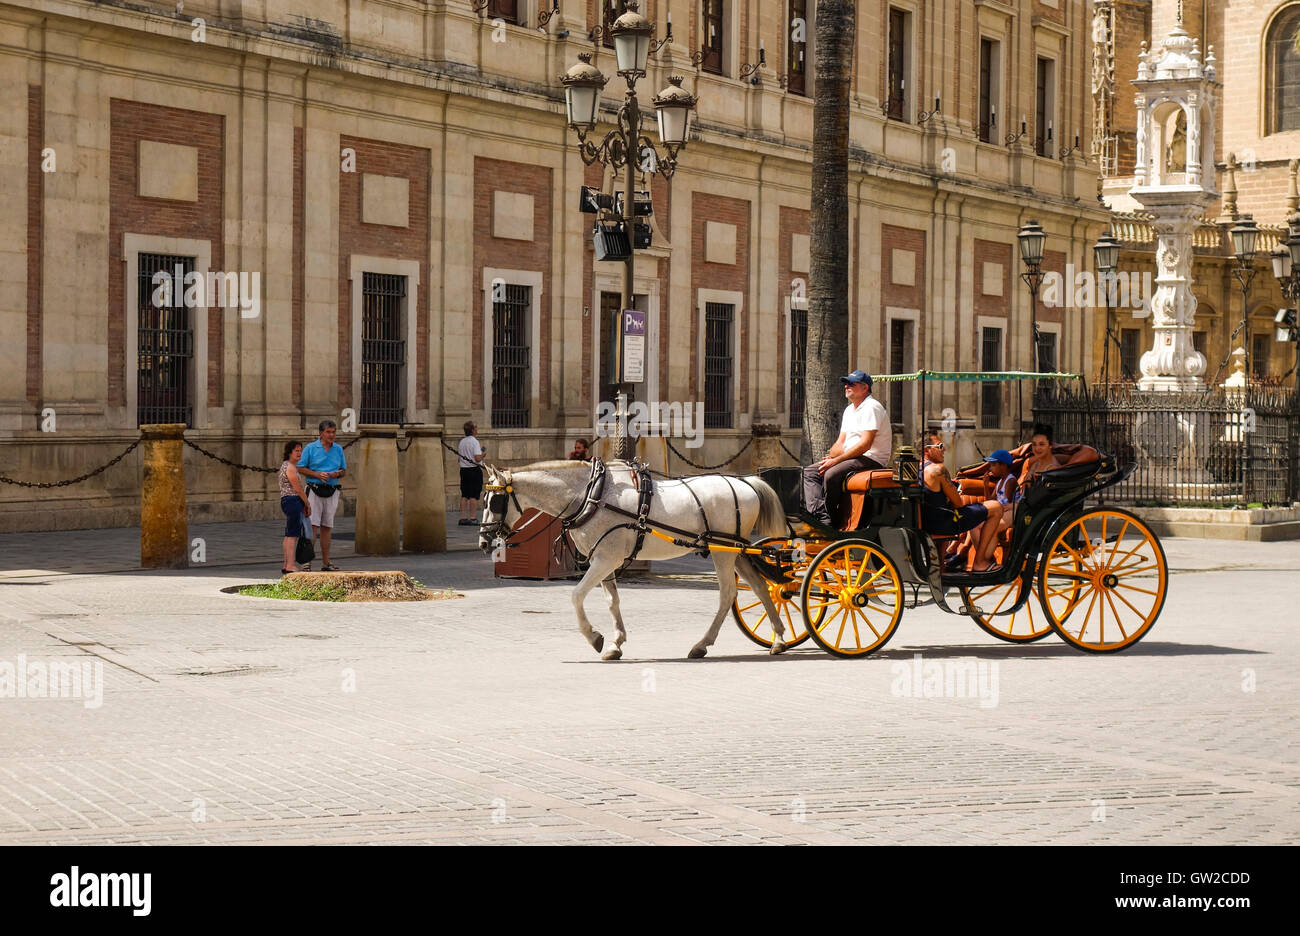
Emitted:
pixel 864 443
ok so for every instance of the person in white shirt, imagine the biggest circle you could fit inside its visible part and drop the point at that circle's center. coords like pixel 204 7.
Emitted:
pixel 471 475
pixel 864 443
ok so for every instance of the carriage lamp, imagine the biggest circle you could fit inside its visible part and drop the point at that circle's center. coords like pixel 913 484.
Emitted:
pixel 1032 237
pixel 631 33
pixel 673 106
pixel 1106 253
pixel 582 86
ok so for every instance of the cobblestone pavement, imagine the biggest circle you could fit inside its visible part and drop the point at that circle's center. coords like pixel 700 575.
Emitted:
pixel 487 719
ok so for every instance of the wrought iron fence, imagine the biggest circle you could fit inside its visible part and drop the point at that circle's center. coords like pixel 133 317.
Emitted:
pixel 1203 448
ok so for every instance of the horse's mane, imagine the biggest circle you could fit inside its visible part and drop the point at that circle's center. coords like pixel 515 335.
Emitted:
pixel 556 465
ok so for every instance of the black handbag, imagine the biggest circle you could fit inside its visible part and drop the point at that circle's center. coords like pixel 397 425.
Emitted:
pixel 305 551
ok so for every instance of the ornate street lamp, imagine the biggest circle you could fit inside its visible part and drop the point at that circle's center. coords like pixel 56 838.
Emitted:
pixel 1106 253
pixel 1245 241
pixel 1031 252
pixel 627 148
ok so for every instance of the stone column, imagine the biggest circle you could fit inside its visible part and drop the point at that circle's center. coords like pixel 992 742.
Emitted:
pixel 1173 363
pixel 767 446
pixel 377 530
pixel 164 536
pixel 424 495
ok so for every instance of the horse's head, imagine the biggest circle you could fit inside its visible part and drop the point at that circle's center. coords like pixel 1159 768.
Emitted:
pixel 499 491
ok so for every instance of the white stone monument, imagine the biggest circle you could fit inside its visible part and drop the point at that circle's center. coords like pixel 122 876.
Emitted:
pixel 1176 102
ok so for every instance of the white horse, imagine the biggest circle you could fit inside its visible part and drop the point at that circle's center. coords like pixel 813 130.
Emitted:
pixel 738 507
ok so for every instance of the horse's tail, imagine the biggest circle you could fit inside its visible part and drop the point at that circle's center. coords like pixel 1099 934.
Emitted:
pixel 771 512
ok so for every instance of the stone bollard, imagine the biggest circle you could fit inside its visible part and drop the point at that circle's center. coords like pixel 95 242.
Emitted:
pixel 164 536
pixel 377 529
pixel 424 495
pixel 767 446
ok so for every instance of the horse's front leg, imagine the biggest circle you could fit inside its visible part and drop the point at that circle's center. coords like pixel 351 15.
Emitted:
pixel 725 565
pixel 620 635
pixel 759 586
pixel 599 569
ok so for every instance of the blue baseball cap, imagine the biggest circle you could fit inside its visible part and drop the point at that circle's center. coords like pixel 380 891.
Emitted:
pixel 858 376
pixel 1001 455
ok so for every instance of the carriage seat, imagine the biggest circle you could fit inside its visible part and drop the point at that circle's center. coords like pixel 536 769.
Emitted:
pixel 859 486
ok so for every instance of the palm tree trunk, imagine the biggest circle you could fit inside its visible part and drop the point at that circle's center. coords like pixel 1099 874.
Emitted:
pixel 828 292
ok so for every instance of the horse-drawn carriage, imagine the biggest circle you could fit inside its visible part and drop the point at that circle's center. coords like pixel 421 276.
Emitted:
pixel 1095 575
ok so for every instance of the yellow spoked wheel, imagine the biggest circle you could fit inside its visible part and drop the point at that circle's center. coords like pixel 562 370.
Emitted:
pixel 752 618
pixel 990 607
pixel 852 598
pixel 1103 580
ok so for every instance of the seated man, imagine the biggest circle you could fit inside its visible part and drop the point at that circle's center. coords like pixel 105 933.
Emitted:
pixel 864 443
pixel 944 514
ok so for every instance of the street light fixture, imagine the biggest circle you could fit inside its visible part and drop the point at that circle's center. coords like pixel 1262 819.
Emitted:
pixel 1245 241
pixel 627 148
pixel 1106 252
pixel 1032 238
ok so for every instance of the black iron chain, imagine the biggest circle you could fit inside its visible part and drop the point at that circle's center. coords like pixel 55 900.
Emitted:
pixel 58 484
pixel 227 461
pixel 787 451
pixel 743 448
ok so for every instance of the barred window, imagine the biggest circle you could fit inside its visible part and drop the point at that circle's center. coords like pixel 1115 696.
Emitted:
pixel 383 349
pixel 796 66
pixel 991 393
pixel 1284 72
pixel 798 364
pixel 718 364
pixel 164 341
pixel 510 355
pixel 1130 352
pixel 1047 352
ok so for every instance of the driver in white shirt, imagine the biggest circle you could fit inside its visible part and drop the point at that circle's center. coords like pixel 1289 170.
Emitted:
pixel 863 444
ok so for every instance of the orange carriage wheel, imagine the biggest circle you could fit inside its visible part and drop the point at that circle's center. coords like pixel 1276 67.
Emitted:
pixel 852 598
pixel 990 606
pixel 1103 581
pixel 752 618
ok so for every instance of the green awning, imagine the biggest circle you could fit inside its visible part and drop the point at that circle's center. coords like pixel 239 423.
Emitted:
pixel 981 376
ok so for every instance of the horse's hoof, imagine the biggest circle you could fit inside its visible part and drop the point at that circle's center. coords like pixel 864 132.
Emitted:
pixel 697 653
pixel 778 646
pixel 597 642
pixel 613 653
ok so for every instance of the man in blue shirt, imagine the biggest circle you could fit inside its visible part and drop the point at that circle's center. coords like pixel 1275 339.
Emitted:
pixel 323 463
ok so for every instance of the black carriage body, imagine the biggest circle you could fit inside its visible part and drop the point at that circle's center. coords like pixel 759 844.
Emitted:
pixel 891 518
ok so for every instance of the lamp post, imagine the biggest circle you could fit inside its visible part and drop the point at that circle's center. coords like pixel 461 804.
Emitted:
pixel 627 148
pixel 1031 252
pixel 1106 252
pixel 1245 239
pixel 1286 267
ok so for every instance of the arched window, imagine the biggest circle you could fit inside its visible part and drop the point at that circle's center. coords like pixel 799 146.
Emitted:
pixel 1284 71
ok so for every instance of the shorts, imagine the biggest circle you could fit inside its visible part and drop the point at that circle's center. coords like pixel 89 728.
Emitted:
pixel 292 505
pixel 323 508
pixel 940 522
pixel 471 483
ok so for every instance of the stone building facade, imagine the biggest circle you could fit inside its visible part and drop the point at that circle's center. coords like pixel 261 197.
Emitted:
pixel 1256 148
pixel 399 176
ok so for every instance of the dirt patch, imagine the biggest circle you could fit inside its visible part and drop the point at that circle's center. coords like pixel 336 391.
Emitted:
pixel 349 586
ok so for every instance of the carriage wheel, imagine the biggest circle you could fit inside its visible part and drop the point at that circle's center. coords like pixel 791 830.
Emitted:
pixel 751 617
pixel 989 606
pixel 856 590
pixel 1103 581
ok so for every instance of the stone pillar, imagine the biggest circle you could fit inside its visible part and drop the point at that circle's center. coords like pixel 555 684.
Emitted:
pixel 767 446
pixel 424 495
pixel 1173 363
pixel 164 536
pixel 377 530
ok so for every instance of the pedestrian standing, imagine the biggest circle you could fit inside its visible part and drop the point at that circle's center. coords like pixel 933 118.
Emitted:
pixel 471 474
pixel 294 503
pixel 324 463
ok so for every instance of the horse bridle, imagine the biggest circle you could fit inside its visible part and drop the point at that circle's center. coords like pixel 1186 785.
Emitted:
pixel 500 496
